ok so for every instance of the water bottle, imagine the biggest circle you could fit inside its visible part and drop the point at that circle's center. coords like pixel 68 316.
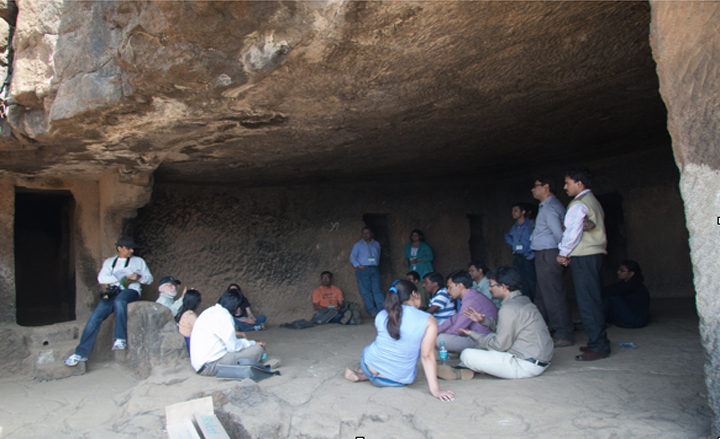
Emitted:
pixel 443 353
pixel 264 357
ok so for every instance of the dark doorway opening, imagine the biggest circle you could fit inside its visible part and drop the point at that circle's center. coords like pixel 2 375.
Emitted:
pixel 378 223
pixel 477 239
pixel 616 235
pixel 44 262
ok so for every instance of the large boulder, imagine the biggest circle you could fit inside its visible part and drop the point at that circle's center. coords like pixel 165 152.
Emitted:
pixel 153 340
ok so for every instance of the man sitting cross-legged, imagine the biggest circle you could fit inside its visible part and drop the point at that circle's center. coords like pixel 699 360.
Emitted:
pixel 329 296
pixel 459 286
pixel 214 341
pixel 521 346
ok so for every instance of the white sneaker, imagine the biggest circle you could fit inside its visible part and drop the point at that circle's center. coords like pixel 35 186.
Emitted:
pixel 119 345
pixel 74 359
pixel 259 327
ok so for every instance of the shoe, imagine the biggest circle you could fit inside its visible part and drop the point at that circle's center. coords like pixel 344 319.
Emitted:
pixel 591 356
pixel 346 317
pixel 119 345
pixel 259 327
pixel 560 343
pixel 584 348
pixel 454 373
pixel 273 362
pixel 74 359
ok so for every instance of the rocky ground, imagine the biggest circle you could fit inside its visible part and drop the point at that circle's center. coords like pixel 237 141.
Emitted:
pixel 656 390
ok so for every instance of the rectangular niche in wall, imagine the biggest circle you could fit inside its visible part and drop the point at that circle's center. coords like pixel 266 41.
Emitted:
pixel 378 223
pixel 44 261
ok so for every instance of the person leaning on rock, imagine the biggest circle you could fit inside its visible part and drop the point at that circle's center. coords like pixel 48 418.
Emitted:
pixel 125 272
pixel 365 257
pixel 519 345
pixel 168 291
pixel 328 296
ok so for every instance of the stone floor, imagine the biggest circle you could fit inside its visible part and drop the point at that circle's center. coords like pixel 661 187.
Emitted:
pixel 656 390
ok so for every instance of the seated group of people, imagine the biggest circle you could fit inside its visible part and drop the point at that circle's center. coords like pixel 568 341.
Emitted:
pixel 214 337
pixel 503 335
pixel 513 342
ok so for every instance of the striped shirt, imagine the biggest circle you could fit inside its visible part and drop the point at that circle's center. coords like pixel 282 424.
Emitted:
pixel 447 305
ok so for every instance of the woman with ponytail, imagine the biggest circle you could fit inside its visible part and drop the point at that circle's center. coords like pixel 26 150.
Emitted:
pixel 404 334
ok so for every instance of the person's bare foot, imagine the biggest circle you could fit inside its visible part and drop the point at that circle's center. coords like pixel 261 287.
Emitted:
pixel 354 375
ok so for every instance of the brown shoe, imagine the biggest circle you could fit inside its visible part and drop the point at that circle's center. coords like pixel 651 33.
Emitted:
pixel 591 356
pixel 584 348
pixel 454 373
pixel 560 343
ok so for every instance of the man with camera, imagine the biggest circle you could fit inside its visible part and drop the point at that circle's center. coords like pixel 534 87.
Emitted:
pixel 123 275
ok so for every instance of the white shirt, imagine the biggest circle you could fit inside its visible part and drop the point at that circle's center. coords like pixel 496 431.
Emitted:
pixel 137 265
pixel 213 336
pixel 574 219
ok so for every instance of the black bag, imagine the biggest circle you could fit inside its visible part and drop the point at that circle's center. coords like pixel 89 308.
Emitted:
pixel 324 316
pixel 110 292
pixel 245 368
pixel 298 324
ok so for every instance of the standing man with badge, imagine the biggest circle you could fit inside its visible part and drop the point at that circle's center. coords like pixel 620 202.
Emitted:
pixel 519 240
pixel 123 275
pixel 365 257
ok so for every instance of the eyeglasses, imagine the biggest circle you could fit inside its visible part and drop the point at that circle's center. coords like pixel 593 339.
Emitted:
pixel 494 285
pixel 623 271
pixel 538 184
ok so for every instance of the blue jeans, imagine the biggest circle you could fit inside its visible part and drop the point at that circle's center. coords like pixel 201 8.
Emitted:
pixel 117 305
pixel 376 379
pixel 369 284
pixel 528 276
pixel 242 326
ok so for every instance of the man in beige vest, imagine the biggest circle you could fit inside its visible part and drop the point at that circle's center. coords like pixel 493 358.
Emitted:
pixel 584 243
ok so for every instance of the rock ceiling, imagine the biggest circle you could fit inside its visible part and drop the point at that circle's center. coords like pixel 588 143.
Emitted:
pixel 284 92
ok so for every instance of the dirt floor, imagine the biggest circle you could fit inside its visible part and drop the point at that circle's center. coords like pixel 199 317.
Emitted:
pixel 656 390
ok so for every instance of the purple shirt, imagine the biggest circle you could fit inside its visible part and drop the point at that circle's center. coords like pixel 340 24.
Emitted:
pixel 473 299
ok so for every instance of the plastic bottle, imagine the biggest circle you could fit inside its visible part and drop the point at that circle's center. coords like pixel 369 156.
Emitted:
pixel 443 353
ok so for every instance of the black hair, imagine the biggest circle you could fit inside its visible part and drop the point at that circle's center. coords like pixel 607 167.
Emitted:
pixel 546 179
pixel 230 300
pixel 529 209
pixel 434 276
pixel 414 275
pixel 326 272
pixel 191 300
pixel 461 277
pixel 634 267
pixel 399 293
pixel 506 275
pixel 366 228
pixel 230 287
pixel 580 173
pixel 420 233
pixel 480 266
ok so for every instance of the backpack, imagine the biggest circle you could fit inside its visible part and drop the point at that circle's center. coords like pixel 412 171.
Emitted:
pixel 324 316
pixel 245 368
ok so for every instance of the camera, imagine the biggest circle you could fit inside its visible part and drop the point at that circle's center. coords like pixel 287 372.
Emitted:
pixel 110 292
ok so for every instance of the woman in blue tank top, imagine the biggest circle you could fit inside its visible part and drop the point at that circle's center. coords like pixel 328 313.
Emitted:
pixel 404 334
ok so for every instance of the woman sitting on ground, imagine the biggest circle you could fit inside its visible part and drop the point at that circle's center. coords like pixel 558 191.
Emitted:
pixel 244 318
pixel 627 303
pixel 404 334
pixel 186 316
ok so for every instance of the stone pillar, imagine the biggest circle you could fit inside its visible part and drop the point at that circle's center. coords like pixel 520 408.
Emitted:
pixel 7 255
pixel 685 39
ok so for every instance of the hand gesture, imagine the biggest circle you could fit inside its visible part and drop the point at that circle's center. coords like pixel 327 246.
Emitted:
pixel 183 293
pixel 465 332
pixel 261 343
pixel 474 315
pixel 134 276
pixel 240 334
pixel 444 395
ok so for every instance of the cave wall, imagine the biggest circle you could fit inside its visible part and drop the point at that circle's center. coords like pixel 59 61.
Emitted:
pixel 275 241
pixel 685 39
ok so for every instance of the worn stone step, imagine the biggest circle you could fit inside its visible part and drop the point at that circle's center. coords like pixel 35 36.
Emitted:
pixel 57 369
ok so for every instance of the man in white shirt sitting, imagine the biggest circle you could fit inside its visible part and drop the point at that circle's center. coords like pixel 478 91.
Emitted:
pixel 125 272
pixel 214 341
